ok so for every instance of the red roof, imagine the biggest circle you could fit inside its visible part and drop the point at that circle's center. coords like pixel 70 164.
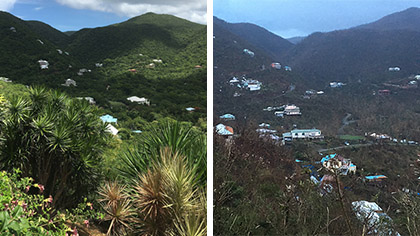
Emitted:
pixel 230 129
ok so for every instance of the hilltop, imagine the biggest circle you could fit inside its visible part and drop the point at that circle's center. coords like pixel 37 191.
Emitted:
pixel 274 45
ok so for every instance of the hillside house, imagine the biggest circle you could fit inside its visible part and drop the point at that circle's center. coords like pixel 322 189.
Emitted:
pixel 43 64
pixel 89 99
pixel 266 131
pixel 302 134
pixel 339 164
pixel 224 130
pixel 320 92
pixel 157 60
pixel 99 65
pixel 233 81
pixel 151 66
pixel 287 68
pixel 378 222
pixel 254 86
pixel 336 84
pixel 190 109
pixel 60 51
pixel 111 129
pixel 139 100
pixel 108 119
pixel 4 79
pixel 197 67
pixel 292 110
pixel 13 29
pixel 69 82
pixel 394 68
pixel 384 92
pixel 132 70
pixel 264 125
pixel 417 77
pixel 276 65
pixel 227 117
pixel 249 52
pixel 279 114
pixel 375 178
pixel 39 40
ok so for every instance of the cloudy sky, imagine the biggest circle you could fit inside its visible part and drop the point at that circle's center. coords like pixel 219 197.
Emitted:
pixel 68 15
pixel 289 18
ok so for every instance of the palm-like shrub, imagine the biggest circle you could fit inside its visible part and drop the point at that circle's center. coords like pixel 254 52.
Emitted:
pixel 168 198
pixel 178 138
pixel 117 206
pixel 56 140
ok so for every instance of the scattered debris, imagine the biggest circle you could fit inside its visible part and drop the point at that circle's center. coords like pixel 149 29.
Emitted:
pixel 379 223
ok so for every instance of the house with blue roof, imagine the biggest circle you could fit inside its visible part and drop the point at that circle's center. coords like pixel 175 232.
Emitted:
pixel 375 178
pixel 338 164
pixel 227 117
pixel 108 119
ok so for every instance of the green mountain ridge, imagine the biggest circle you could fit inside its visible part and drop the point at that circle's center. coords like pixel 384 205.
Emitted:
pixel 137 58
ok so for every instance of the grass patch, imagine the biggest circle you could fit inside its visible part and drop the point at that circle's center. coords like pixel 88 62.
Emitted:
pixel 351 137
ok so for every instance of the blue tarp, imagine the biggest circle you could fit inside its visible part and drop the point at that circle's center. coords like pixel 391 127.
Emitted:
pixel 108 118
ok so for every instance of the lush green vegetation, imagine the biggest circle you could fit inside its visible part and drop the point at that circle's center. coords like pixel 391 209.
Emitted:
pixel 62 173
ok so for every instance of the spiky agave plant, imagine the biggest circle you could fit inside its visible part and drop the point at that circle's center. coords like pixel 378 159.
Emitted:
pixel 117 206
pixel 166 196
pixel 194 221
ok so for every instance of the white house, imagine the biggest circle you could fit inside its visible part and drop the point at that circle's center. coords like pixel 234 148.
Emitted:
pixel 276 65
pixel 139 100
pixel 394 68
pixel 60 51
pixel 91 100
pixel 291 110
pixel 69 82
pixel 249 52
pixel 417 77
pixel 111 129
pixel 4 79
pixel 233 81
pixel 157 60
pixel 39 40
pixel 43 64
pixel 302 134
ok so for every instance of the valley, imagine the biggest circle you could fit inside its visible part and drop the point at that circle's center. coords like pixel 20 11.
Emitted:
pixel 346 85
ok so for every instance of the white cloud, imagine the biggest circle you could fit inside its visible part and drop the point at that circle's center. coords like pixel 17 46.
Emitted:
pixel 38 8
pixel 7 5
pixel 193 10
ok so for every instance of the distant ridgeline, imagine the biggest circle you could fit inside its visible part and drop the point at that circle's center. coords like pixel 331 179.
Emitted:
pixel 159 57
pixel 370 71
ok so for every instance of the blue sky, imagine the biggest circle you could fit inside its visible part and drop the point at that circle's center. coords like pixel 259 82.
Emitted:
pixel 289 18
pixel 66 15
